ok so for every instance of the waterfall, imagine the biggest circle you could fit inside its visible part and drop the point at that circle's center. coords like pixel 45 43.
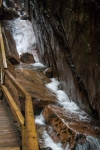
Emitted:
pixel 24 37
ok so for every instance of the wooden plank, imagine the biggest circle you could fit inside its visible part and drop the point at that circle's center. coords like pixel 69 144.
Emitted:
pixel 31 135
pixel 16 111
pixel 10 148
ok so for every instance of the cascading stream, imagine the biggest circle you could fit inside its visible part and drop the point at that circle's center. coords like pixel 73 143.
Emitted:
pixel 91 142
pixel 25 41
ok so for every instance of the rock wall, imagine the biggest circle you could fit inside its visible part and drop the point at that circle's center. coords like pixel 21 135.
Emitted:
pixel 68 34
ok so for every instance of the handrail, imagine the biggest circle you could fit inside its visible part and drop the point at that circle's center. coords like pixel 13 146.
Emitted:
pixel 15 109
pixel 32 140
pixel 31 135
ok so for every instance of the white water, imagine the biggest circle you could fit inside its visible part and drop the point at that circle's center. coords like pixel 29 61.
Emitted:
pixel 48 142
pixel 4 3
pixel 91 142
pixel 23 35
pixel 65 102
pixel 38 65
pixel 40 120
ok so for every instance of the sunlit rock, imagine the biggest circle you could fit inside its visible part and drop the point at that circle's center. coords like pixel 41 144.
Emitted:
pixel 68 126
pixel 34 82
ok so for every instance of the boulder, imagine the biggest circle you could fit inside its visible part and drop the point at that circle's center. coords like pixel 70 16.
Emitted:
pixel 48 72
pixel 24 17
pixel 9 14
pixel 69 127
pixel 27 58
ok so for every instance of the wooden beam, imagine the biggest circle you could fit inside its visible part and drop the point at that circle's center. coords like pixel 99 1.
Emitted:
pixel 31 135
pixel 15 109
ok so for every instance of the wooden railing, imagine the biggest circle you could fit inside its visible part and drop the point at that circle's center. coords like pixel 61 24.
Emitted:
pixel 27 123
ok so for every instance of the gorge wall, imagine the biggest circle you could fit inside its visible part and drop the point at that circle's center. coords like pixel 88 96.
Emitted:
pixel 68 35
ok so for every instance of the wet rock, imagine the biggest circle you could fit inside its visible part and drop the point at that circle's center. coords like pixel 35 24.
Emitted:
pixel 9 14
pixel 9 3
pixel 10 47
pixel 34 82
pixel 27 58
pixel 48 72
pixel 47 148
pixel 40 130
pixel 80 138
pixel 67 125
pixel 64 44
pixel 24 17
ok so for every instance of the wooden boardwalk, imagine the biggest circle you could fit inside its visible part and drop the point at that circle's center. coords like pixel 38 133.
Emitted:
pixel 9 138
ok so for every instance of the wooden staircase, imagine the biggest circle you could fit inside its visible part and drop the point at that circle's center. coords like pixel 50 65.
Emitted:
pixel 9 138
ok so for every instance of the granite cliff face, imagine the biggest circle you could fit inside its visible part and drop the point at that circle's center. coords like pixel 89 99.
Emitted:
pixel 68 34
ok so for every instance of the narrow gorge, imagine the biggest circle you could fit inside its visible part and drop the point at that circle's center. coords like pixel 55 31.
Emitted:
pixel 53 49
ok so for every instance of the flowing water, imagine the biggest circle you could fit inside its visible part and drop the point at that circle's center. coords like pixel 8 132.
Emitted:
pixel 25 41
